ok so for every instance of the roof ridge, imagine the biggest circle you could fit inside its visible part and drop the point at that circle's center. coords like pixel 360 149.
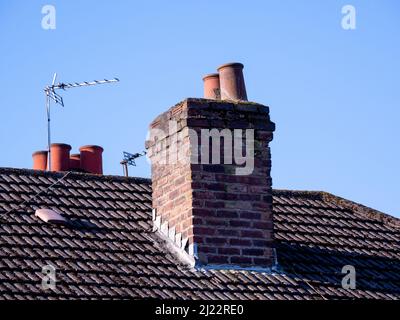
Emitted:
pixel 362 210
pixel 81 175
pixel 355 207
pixel 315 195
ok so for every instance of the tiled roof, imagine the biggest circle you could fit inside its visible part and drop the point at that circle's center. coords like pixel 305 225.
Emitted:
pixel 110 250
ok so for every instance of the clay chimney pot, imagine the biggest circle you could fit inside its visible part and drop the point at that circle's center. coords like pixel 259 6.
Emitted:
pixel 40 160
pixel 232 82
pixel 211 86
pixel 60 156
pixel 92 159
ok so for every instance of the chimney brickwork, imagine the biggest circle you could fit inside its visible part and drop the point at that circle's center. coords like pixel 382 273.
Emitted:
pixel 218 214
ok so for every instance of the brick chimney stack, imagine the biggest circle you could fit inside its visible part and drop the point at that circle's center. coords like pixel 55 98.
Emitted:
pixel 212 195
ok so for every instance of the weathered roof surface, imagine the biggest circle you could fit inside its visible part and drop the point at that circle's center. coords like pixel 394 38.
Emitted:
pixel 110 250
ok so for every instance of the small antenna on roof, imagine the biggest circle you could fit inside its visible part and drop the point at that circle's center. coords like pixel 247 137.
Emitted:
pixel 51 94
pixel 129 159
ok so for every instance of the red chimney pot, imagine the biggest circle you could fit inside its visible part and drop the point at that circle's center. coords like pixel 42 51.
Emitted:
pixel 75 161
pixel 40 160
pixel 60 156
pixel 232 82
pixel 91 159
pixel 211 86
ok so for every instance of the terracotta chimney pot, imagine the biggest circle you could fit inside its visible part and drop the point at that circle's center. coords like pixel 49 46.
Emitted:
pixel 91 159
pixel 75 161
pixel 40 160
pixel 60 156
pixel 232 82
pixel 212 87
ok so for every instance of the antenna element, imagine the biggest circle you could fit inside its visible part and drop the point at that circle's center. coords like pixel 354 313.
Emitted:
pixel 52 95
pixel 129 160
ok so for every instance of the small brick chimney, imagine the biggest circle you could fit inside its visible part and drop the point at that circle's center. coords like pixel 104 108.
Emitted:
pixel 211 181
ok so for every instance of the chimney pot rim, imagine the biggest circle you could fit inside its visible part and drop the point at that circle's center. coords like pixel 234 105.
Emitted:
pixel 91 146
pixel 75 155
pixel 231 64
pixel 62 145
pixel 211 75
pixel 39 152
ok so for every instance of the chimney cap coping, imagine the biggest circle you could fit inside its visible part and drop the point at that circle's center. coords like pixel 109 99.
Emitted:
pixel 91 147
pixel 248 107
pixel 211 75
pixel 62 145
pixel 231 64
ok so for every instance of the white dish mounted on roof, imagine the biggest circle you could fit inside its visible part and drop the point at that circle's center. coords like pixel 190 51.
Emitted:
pixel 50 216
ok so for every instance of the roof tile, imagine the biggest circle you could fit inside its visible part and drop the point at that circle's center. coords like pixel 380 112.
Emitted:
pixel 110 250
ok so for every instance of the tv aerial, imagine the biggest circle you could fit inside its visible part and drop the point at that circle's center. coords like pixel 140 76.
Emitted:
pixel 52 95
pixel 129 160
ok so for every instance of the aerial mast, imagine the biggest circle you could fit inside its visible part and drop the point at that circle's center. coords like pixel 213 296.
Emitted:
pixel 129 160
pixel 52 95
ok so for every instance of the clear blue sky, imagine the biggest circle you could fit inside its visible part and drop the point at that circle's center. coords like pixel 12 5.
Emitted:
pixel 334 94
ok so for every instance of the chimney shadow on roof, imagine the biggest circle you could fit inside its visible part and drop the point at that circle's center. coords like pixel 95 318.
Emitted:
pixel 85 225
